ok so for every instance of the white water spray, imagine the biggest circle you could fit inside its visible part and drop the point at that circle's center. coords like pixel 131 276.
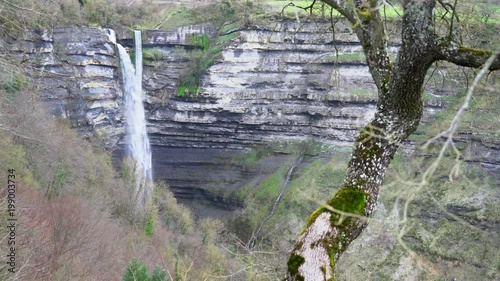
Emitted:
pixel 137 138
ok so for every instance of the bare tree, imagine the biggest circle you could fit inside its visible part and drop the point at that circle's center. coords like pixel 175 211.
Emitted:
pixel 332 227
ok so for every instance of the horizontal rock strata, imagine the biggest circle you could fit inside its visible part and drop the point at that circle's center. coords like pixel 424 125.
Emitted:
pixel 282 81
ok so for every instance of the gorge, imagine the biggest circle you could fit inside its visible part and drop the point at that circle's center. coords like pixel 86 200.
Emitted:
pixel 273 84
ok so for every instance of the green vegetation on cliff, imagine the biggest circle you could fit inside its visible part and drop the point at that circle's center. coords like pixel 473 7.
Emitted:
pixel 77 211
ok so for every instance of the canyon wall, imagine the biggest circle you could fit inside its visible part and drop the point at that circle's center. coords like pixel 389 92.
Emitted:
pixel 76 72
pixel 273 83
pixel 281 81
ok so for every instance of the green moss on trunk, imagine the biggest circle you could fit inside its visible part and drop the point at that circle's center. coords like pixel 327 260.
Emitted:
pixel 294 262
pixel 480 52
pixel 349 199
pixel 364 14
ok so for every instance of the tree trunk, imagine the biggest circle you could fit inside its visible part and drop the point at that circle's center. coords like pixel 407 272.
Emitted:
pixel 332 227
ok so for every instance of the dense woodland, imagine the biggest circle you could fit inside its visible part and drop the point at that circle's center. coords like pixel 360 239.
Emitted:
pixel 437 217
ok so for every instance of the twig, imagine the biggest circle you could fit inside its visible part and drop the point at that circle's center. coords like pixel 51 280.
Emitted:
pixel 449 142
pixel 21 8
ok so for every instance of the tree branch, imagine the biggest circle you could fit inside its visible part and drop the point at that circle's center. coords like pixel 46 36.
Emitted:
pixel 466 56
pixel 369 27
pixel 328 234
pixel 342 9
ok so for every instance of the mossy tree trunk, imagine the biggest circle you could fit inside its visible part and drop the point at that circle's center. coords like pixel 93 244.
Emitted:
pixel 331 228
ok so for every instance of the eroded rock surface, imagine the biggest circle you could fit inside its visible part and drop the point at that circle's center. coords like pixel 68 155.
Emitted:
pixel 77 71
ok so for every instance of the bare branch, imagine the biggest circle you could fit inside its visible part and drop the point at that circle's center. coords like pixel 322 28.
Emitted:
pixel 342 10
pixel 21 8
pixel 454 123
pixel 466 56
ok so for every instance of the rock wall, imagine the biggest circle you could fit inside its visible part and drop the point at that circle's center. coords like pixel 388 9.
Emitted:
pixel 279 82
pixel 271 85
pixel 76 70
pixel 282 81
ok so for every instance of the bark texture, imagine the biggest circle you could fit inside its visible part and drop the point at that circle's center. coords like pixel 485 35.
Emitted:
pixel 331 228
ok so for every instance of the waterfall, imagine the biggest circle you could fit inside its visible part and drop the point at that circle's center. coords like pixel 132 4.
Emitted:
pixel 138 147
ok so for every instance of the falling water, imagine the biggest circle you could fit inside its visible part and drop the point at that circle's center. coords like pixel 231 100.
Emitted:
pixel 137 138
pixel 252 241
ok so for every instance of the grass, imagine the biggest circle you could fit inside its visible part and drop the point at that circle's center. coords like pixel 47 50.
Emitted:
pixel 269 189
pixel 201 41
pixel 258 201
pixel 308 189
pixel 151 57
pixel 362 92
pixel 227 28
pixel 419 138
pixel 279 6
pixel 346 58
pixel 391 12
pixel 225 38
pixel 184 90
pixel 480 13
pixel 181 16
pixel 197 67
pixel 209 51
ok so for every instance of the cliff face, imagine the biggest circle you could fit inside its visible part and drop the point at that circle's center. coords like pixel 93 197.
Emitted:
pixel 76 70
pixel 280 82
pixel 272 84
